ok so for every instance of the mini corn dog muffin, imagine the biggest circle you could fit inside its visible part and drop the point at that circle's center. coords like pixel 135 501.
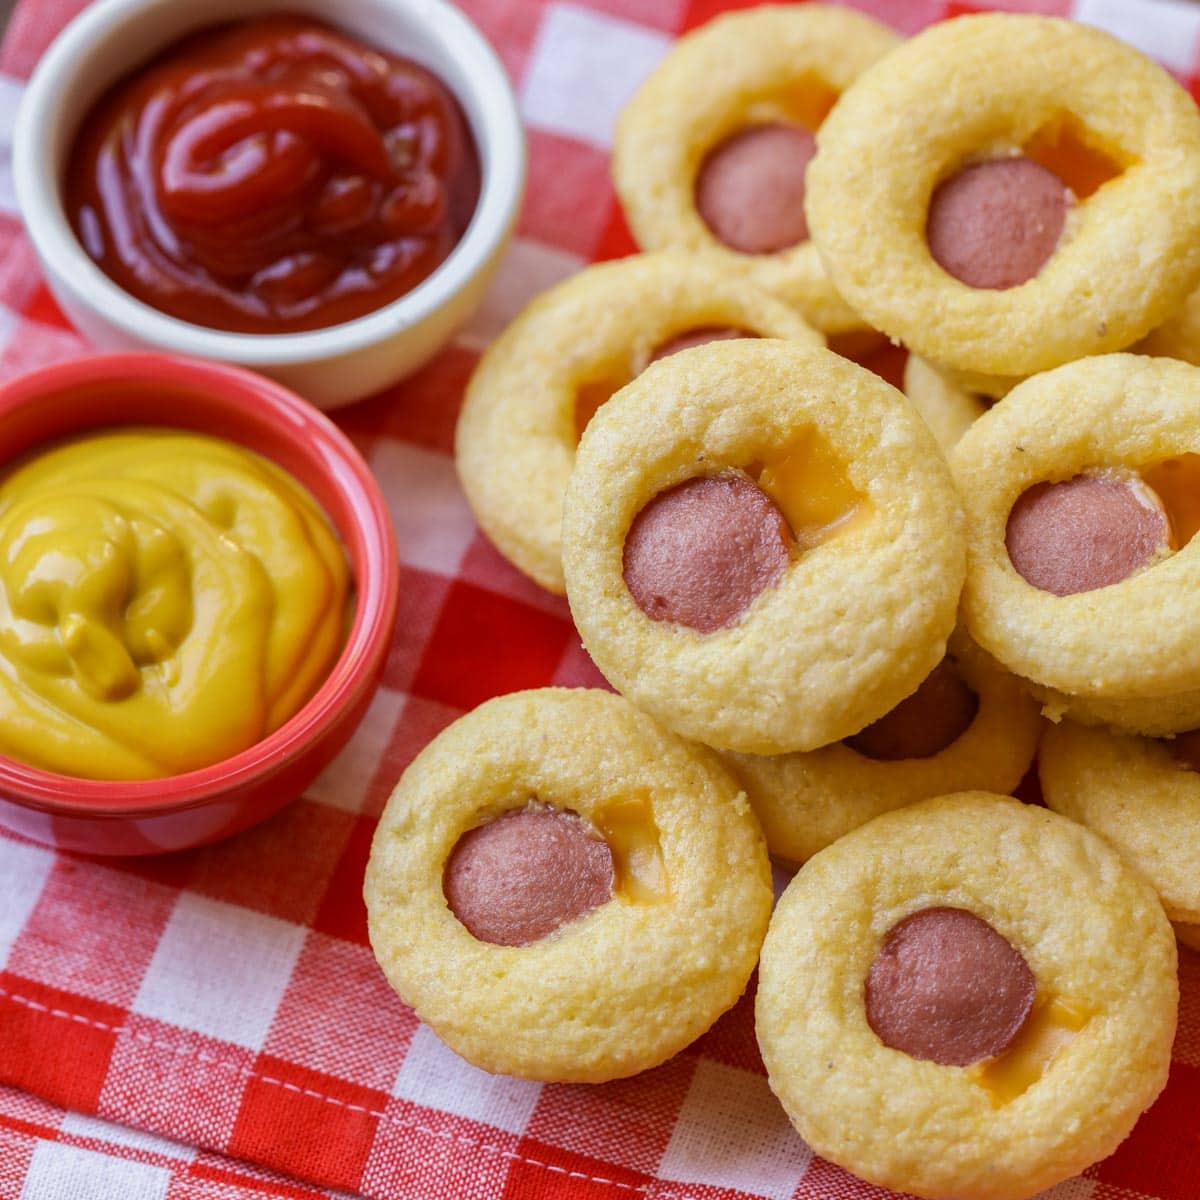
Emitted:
pixel 565 891
pixel 948 409
pixel 710 154
pixel 539 383
pixel 761 545
pixel 1081 496
pixel 1140 794
pixel 969 726
pixel 970 997
pixel 1006 193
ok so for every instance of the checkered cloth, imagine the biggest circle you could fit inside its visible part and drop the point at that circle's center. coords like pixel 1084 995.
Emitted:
pixel 212 1024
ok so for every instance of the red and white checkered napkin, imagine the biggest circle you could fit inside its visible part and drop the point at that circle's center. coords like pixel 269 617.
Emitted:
pixel 47 1152
pixel 227 999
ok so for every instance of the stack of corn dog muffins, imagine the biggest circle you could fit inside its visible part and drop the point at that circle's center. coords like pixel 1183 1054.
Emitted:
pixel 839 620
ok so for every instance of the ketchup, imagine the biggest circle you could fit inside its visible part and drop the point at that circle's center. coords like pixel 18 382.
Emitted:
pixel 271 176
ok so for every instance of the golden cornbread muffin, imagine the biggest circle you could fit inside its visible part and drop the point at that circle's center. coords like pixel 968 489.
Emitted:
pixel 970 997
pixel 539 383
pixel 563 890
pixel 1081 502
pixel 969 726
pixel 762 545
pixel 1005 193
pixel 1140 794
pixel 949 410
pixel 710 154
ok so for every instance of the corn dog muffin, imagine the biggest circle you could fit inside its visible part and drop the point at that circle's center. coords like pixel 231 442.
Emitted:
pixel 710 154
pixel 1081 501
pixel 563 890
pixel 1140 794
pixel 1005 193
pixel 968 997
pixel 761 545
pixel 969 726
pixel 539 383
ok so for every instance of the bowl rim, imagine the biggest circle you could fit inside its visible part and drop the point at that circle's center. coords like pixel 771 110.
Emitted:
pixel 500 140
pixel 374 561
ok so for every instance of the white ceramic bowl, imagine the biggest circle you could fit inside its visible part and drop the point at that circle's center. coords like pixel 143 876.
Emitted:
pixel 330 366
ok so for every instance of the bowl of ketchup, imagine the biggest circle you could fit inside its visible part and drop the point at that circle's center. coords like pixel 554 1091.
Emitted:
pixel 319 189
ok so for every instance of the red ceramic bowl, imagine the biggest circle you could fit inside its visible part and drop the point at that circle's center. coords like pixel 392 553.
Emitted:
pixel 155 815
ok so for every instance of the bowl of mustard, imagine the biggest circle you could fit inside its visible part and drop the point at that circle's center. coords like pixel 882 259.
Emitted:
pixel 198 588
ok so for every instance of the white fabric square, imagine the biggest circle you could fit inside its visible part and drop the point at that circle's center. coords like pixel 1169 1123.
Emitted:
pixel 732 1133
pixel 527 270
pixel 11 91
pixel 583 69
pixel 434 1076
pixel 1168 30
pixel 434 525
pixel 23 873
pixel 83 1126
pixel 345 782
pixel 60 1172
pixel 220 970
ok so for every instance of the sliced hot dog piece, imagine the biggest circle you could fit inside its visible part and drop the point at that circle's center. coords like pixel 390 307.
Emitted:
pixel 699 553
pixel 939 712
pixel 750 189
pixel 1085 533
pixel 996 223
pixel 947 987
pixel 524 875
pixel 698 337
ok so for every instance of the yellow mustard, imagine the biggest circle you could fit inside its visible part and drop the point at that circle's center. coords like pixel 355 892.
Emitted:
pixel 166 600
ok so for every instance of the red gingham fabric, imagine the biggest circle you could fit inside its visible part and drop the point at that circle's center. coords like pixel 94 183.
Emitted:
pixel 226 999
pixel 48 1151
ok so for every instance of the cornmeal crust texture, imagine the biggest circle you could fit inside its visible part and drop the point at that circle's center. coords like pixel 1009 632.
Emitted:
pixel 1093 934
pixel 772 63
pixel 1133 792
pixel 621 988
pixel 994 387
pixel 948 409
pixel 983 87
pixel 1178 336
pixel 807 801
pixel 516 438
pixel 850 628
pixel 1152 716
pixel 1137 639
